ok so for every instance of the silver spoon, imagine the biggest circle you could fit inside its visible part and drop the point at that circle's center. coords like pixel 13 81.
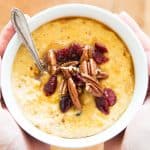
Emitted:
pixel 21 26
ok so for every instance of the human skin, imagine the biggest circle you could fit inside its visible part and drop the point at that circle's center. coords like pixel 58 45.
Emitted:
pixel 137 134
pixel 11 136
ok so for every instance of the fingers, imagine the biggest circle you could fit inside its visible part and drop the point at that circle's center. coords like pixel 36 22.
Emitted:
pixel 116 142
pixel 36 144
pixel 5 36
pixel 144 39
pixel 137 134
pixel 0 84
pixel 148 60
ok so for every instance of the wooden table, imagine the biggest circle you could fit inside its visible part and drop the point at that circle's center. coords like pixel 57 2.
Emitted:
pixel 138 9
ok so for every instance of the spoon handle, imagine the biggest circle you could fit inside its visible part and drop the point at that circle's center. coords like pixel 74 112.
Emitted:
pixel 21 26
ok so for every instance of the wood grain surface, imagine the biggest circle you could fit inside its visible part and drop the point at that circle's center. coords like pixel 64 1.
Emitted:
pixel 138 9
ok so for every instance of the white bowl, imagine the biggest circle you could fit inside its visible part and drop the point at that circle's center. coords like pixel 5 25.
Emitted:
pixel 140 68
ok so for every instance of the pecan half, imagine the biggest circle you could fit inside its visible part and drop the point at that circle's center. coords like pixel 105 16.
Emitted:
pixel 85 54
pixel 90 52
pixel 66 73
pixel 63 87
pixel 71 69
pixel 85 63
pixel 52 60
pixel 100 74
pixel 73 93
pixel 93 67
pixel 70 63
pixel 93 90
pixel 92 82
pixel 89 79
pixel 72 88
pixel 89 68
pixel 84 67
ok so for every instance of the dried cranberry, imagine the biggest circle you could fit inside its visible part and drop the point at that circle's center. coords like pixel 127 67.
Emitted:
pixel 65 103
pixel 72 53
pixel 75 52
pixel 102 104
pixel 98 53
pixel 101 48
pixel 78 80
pixel 99 58
pixel 62 55
pixel 50 86
pixel 110 96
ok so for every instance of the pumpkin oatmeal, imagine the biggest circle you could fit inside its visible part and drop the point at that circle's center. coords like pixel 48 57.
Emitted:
pixel 89 80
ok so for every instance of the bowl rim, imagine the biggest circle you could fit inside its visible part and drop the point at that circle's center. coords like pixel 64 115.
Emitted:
pixel 126 34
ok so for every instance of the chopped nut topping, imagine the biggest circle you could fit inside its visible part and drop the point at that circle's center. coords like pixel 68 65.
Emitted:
pixel 70 69
pixel 89 79
pixel 70 63
pixel 84 67
pixel 52 57
pixel 94 85
pixel 89 68
pixel 63 87
pixel 79 67
pixel 73 93
pixel 93 90
pixel 93 67
pixel 100 74
pixel 85 54
pixel 52 60
pixel 66 73
pixel 72 89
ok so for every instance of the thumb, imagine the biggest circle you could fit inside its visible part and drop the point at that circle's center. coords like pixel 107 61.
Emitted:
pixel 6 34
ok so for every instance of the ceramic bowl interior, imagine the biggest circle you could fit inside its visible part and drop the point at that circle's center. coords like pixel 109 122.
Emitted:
pixel 112 21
